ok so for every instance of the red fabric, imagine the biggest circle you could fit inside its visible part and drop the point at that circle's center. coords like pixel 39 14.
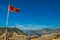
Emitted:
pixel 12 8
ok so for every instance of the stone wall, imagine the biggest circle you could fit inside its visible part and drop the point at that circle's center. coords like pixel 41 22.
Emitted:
pixel 3 37
pixel 19 37
pixel 15 36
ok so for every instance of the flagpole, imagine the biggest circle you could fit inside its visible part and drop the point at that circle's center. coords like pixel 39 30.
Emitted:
pixel 7 22
pixel 7 15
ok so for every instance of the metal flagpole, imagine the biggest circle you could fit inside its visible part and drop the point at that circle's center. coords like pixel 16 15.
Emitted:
pixel 7 15
pixel 7 22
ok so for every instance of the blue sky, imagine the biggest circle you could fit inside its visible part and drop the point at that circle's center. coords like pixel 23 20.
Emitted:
pixel 34 13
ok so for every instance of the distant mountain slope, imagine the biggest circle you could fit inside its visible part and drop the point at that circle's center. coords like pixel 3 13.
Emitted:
pixel 41 31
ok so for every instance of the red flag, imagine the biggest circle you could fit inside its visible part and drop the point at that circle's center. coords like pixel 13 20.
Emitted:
pixel 13 9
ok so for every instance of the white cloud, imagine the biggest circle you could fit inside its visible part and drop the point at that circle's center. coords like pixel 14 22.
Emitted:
pixel 30 26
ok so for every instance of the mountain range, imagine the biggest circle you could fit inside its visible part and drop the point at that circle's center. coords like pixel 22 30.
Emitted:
pixel 41 31
pixel 38 32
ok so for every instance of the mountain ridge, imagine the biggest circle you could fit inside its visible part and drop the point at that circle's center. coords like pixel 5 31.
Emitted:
pixel 40 32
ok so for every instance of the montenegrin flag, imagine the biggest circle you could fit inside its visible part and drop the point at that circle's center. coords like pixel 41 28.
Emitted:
pixel 14 9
